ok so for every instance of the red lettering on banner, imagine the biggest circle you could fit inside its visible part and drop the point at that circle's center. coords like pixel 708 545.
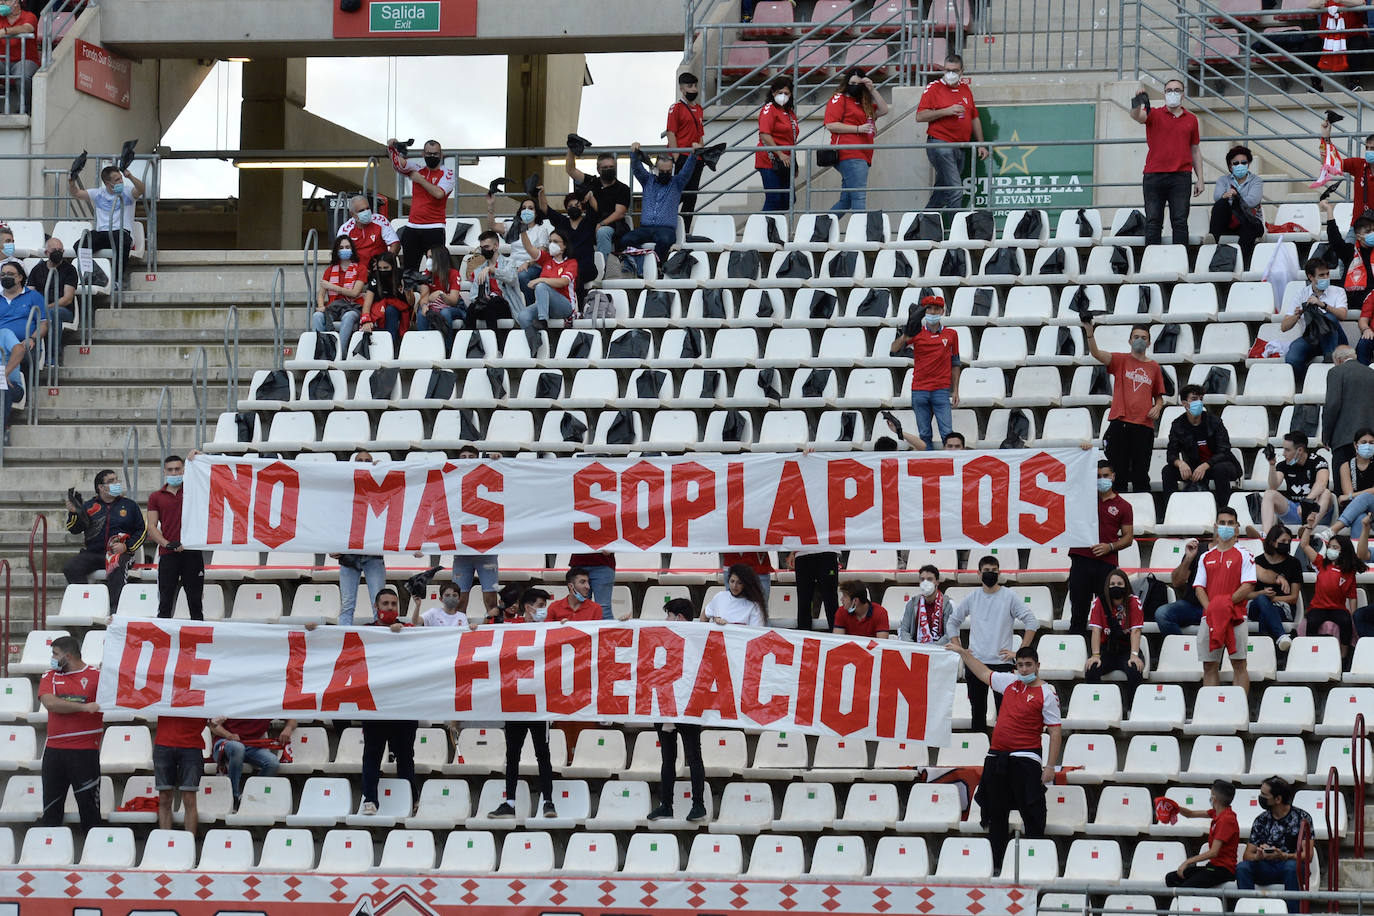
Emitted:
pixel 655 682
pixel 751 703
pixel 467 669
pixel 515 669
pixel 139 634
pixel 231 487
pixel 278 472
pixel 974 473
pixel 656 528
pixel 190 665
pixel 791 513
pixel 714 687
pixel 293 696
pixel 610 672
pixel 736 532
pixel 898 678
pixel 687 509
pixel 838 658
pixel 843 507
pixel 555 700
pixel 349 683
pixel 890 475
pixel 806 681
pixel 432 522
pixel 1032 469
pixel 490 480
pixel 603 478
pixel 930 471
pixel 385 499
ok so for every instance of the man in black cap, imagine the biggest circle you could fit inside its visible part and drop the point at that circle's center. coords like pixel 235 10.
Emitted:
pixel 687 128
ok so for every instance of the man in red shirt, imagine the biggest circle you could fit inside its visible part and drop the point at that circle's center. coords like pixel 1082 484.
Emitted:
pixel 23 51
pixel 1225 583
pixel 1089 566
pixel 1014 776
pixel 578 605
pixel 1137 401
pixel 71 754
pixel 177 567
pixel 1360 169
pixel 240 740
pixel 687 128
pixel 371 232
pixel 935 367
pixel 432 182
pixel 1223 840
pixel 178 762
pixel 947 108
pixel 1172 154
pixel 857 615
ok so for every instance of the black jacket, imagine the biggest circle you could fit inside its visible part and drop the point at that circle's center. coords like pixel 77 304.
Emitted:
pixel 99 521
pixel 1347 252
pixel 1184 436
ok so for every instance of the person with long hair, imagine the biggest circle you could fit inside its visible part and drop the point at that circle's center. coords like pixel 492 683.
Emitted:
pixel 1115 624
pixel 1280 577
pixel 777 127
pixel 741 602
pixel 851 116
pixel 339 298
pixel 526 224
pixel 439 299
pixel 1334 592
pixel 1357 483
pixel 386 303
pixel 555 297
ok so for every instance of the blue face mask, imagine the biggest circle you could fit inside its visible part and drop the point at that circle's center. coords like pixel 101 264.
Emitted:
pixel 1240 170
pixel 1323 284
pixel 345 254
pixel 174 480
pixel 1365 450
pixel 1104 484
pixel 117 188
pixel 1195 408
pixel 1027 679
pixel 1369 156
pixel 1369 240
pixel 526 216
pixel 116 489
pixel 1226 532
pixel 9 249
pixel 53 663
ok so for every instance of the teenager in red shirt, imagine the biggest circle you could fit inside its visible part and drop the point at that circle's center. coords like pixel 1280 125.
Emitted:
pixel 951 117
pixel 431 184
pixel 1337 566
pixel 439 303
pixel 71 754
pixel 1216 864
pixel 1224 585
pixel 777 127
pixel 687 128
pixel 1116 623
pixel 851 117
pixel 555 298
pixel 935 367
pixel 1137 401
pixel 1172 155
pixel 177 567
pixel 178 763
pixel 578 603
pixel 857 615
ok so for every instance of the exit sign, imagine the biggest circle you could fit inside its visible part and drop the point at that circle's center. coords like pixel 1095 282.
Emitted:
pixel 399 18
pixel 404 16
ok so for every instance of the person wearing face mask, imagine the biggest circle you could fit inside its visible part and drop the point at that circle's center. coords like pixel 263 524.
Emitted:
pixel 56 279
pixel 526 226
pixel 99 520
pixel 482 287
pixel 607 201
pixel 387 303
pixel 1357 484
pixel 687 129
pixel 1354 255
pixel 449 611
pixel 1271 852
pixel 19 335
pixel 1116 623
pixel 432 181
pixel 1137 402
pixel 817 572
pixel 992 612
pixel 851 116
pixel 777 127
pixel 679 613
pixel 8 250
pixel 381 735
pixel 923 618
pixel 858 615
pixel 935 367
pixel 1303 476
pixel 1316 311
pixel 71 753
pixel 1225 582
pixel 660 193
pixel 1361 171
pixel 555 293
pixel 951 120
pixel 1090 566
pixel 1172 155
pixel 113 203
pixel 439 303
pixel 534 603
pixel 1279 575
pixel 1236 202
pixel 177 567
pixel 1199 453
pixel 578 230
pixel 339 300
pixel 577 605
pixel 1334 595
pixel 23 53
pixel 370 232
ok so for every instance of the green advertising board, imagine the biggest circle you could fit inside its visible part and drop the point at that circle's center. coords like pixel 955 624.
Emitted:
pixel 1028 175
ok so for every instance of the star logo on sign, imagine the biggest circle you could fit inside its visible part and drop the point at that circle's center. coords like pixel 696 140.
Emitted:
pixel 1014 158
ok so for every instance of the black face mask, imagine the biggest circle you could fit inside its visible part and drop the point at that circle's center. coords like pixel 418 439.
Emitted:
pixel 990 577
pixel 855 90
pixel 8 282
pixel 690 96
pixel 663 177
pixel 608 175
pixel 1117 592
pixel 55 257
pixel 574 213
pixel 433 161
pixel 488 253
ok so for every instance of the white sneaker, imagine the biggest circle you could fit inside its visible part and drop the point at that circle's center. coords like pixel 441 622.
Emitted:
pixel 1285 642
pixel 368 809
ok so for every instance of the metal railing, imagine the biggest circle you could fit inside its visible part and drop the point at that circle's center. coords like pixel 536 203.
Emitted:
pixel 162 424
pixel 1331 804
pixel 38 567
pixel 1358 772
pixel 5 654
pixel 277 309
pixel 231 358
pixel 16 81
pixel 200 392
pixel 54 24
pixel 310 267
pixel 131 459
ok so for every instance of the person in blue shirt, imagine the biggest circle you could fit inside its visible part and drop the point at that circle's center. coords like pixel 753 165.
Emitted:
pixel 659 198
pixel 18 337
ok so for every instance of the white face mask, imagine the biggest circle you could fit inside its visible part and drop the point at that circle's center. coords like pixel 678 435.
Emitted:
pixel 951 78
pixel 539 615
pixel 1333 554
pixel 555 249
pixel 1173 98
pixel 780 98
pixel 927 587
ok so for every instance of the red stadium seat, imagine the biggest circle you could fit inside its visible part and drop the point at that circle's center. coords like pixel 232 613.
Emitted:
pixel 772 19
pixel 888 16
pixel 841 11
pixel 926 55
pixel 873 56
pixel 1235 8
pixel 811 60
pixel 948 15
pixel 747 61
pixel 1214 49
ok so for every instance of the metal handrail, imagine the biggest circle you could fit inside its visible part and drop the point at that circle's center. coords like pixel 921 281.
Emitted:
pixel 1332 798
pixel 231 358
pixel 163 424
pixel 310 266
pixel 48 29
pixel 5 655
pixel 131 457
pixel 40 578
pixel 31 325
pixel 200 391
pixel 277 309
pixel 1305 849
pixel 53 353
pixel 1357 749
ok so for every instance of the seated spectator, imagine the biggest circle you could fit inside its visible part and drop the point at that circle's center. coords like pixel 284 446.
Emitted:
pixel 1216 863
pixel 578 230
pixel 239 741
pixel 439 303
pixel 1271 853
pixel 578 603
pixel 536 232
pixel 353 567
pixel 482 286
pixel 1236 200
pixel 371 232
pixel 858 614
pixel 1301 477
pixel 56 280
pixel 1184 611
pixel 1357 484
pixel 1116 623
pixel 600 567
pixel 113 203
pixel 1354 250
pixel 338 302
pixel 660 194
pixel 1199 453
pixel 1316 312
pixel 741 602
pixel 955 442
pixel 757 560
pixel 607 201
pixel 1334 594
pixel 1280 580
pixel 8 252
pixel 679 612
pixel 923 618
pixel 387 304
pixel 23 53
pixel 449 613
pixel 111 525
pixel 1225 581
pixel 23 311
pixel 554 293
pixel 11 378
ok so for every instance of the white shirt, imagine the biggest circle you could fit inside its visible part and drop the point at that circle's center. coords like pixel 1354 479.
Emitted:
pixel 438 617
pixel 389 235
pixel 539 237
pixel 1334 297
pixel 730 609
pixel 107 207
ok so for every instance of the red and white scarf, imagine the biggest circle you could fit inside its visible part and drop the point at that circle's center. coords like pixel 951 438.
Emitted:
pixel 1333 40
pixel 930 619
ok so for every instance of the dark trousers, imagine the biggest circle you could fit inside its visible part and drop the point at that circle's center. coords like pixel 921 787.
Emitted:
pixel 1220 477
pixel 76 769
pixel 399 735
pixel 817 574
pixel 416 243
pixel 181 570
pixel 978 699
pixel 1128 447
pixel 79 568
pixel 1087 576
pixel 1345 624
pixel 1116 661
pixel 1340 457
pixel 691 747
pixel 1364 621
pixel 1172 188
pixel 106 240
pixel 1225 213
pixel 1007 784
pixel 515 741
pixel 688 205
pixel 1199 876
pixel 777 185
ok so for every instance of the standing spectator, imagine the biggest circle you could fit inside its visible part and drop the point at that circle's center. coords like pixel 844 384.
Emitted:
pixel 1236 201
pixel 1271 854
pixel 387 303
pixel 577 605
pixel 660 193
pixel 1223 840
pixel 1348 408
pixel 239 741
pixel 379 735
pixel 858 614
pixel 1334 595
pixel 1316 311
pixel 432 182
pixel 339 300
pixel 109 522
pixel 178 764
pixel 371 232
pixel 177 567
pixel 923 618
pixel 679 612
pixel 579 230
pixel 935 368
pixel 60 294
pixel 1199 451
pixel 482 567
pixel 1361 171
pixel 1225 582
pixel 608 201
pixel 1137 401
pixel 1090 566
pixel 600 567
pixel 354 566
pixel 1279 578
pixel 1302 476
pixel 1184 610
pixel 817 574
pixel 990 611
pixel 113 204
pixel 533 603
pixel 687 128
pixel 948 110
pixel 1172 156
pixel 1116 623
pixel 555 296
pixel 23 53
pixel 851 116
pixel 439 303
pixel 449 613
pixel 1343 37
pixel 777 127
pixel 759 561
pixel 1013 775
pixel 486 296
pixel 524 233
pixel 741 602
pixel 71 752
pixel 1357 484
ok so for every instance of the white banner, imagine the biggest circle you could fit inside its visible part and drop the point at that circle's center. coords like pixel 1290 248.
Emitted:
pixel 725 676
pixel 958 499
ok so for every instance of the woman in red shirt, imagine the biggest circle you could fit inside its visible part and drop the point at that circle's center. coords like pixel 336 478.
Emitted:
pixel 851 117
pixel 341 285
pixel 1336 565
pixel 1116 622
pixel 386 303
pixel 19 28
pixel 777 127
pixel 554 297
pixel 439 305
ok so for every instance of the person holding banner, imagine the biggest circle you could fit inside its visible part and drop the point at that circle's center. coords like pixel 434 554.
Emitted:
pixel 1089 566
pixel 858 616
pixel 379 734
pixel 679 610
pixel 816 571
pixel 450 613
pixel 535 606
pixel 484 567
pixel 178 764
pixel 923 618
pixel 758 561
pixel 578 603
pixel 354 566
pixel 991 611
pixel 177 567
pixel 600 567
pixel 741 602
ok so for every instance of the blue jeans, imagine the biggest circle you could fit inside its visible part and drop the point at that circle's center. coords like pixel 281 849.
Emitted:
pixel 853 185
pixel 947 163
pixel 8 341
pixel 448 313
pixel 235 753
pixel 1300 352
pixel 661 237
pixel 348 323
pixel 1272 616
pixel 549 303
pixel 927 403
pixel 375 570
pixel 1364 350
pixel 1260 871
pixel 392 320
pixel 1355 510
pixel 779 194
pixel 483 567
pixel 527 274
pixel 605 240
pixel 1176 615
pixel 602 579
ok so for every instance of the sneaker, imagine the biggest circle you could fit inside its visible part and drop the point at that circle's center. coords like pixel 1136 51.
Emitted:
pixel 661 812
pixel 1285 642
pixel 505 809
pixel 368 809
pixel 550 810
pixel 698 812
